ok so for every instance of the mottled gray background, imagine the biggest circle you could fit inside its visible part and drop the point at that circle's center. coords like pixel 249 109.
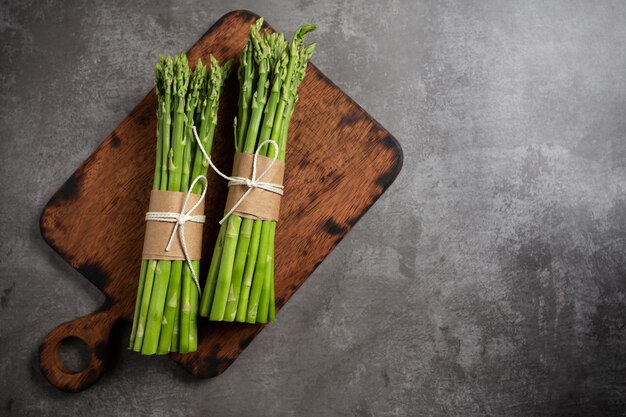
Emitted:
pixel 488 281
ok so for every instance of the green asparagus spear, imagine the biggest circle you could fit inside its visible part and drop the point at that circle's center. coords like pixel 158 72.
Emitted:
pixel 145 305
pixel 211 279
pixel 207 128
pixel 163 85
pixel 142 280
pixel 196 89
pixel 159 89
pixel 246 283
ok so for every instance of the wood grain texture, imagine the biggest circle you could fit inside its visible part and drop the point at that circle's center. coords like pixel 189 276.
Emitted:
pixel 339 161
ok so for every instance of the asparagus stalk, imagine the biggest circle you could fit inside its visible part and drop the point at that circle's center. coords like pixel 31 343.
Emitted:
pixel 196 90
pixel 259 273
pixel 163 88
pixel 177 152
pixel 283 142
pixel 142 280
pixel 262 56
pixel 264 300
pixel 168 80
pixel 207 129
pixel 174 345
pixel 246 79
pixel 246 284
pixel 272 309
pixel 185 311
pixel 145 304
pixel 264 303
pixel 208 117
pixel 211 280
pixel 159 90
pixel 281 60
pixel 192 295
pixel 170 309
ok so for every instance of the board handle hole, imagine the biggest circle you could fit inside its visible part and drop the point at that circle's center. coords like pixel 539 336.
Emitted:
pixel 75 354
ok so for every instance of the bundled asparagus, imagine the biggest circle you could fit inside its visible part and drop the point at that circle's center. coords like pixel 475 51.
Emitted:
pixel 240 281
pixel 167 298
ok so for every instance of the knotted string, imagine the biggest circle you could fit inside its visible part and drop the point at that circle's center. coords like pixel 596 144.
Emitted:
pixel 180 219
pixel 251 183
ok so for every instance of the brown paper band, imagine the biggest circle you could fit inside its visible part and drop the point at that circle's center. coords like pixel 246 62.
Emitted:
pixel 158 233
pixel 259 204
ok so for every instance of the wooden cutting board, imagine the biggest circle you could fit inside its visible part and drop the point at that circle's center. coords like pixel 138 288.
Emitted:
pixel 339 162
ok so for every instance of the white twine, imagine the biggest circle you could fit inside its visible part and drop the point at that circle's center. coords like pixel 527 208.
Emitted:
pixel 180 219
pixel 251 183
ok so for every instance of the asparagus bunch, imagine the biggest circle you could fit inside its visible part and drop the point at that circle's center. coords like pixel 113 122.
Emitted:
pixel 240 281
pixel 167 298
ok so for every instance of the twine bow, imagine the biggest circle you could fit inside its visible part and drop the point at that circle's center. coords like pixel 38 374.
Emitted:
pixel 251 183
pixel 180 219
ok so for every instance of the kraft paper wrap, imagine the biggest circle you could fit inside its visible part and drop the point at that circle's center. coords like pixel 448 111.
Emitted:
pixel 158 233
pixel 259 204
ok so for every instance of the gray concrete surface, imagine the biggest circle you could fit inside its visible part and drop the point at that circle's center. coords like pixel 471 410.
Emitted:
pixel 488 281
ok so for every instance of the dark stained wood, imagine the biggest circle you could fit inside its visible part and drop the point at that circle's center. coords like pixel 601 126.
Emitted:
pixel 339 162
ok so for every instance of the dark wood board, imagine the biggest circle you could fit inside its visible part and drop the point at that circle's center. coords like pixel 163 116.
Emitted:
pixel 339 162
